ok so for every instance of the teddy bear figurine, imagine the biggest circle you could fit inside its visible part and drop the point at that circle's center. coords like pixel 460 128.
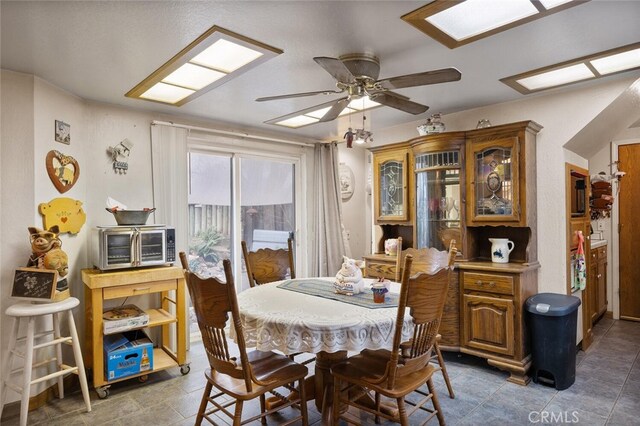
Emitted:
pixel 47 253
pixel 349 278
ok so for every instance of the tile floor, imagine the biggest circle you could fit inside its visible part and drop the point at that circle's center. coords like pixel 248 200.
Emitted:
pixel 606 391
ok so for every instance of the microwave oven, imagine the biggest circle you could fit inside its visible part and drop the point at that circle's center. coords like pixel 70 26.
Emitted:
pixel 119 247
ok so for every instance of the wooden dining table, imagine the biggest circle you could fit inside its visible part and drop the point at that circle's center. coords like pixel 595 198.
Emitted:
pixel 276 318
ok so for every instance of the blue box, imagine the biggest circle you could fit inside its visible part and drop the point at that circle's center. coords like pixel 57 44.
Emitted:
pixel 127 354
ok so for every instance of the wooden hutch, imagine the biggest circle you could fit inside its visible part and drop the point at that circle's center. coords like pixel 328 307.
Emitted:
pixel 468 186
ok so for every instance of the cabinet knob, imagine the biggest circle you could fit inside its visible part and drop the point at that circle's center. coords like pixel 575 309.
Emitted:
pixel 492 284
pixel 479 282
pixel 599 275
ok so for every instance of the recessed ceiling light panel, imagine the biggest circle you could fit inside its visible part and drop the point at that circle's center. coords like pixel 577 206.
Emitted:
pixel 473 17
pixel 455 23
pixel 557 77
pixel 226 56
pixel 167 93
pixel 313 114
pixel 211 60
pixel 620 59
pixel 297 121
pixel 617 62
pixel 193 76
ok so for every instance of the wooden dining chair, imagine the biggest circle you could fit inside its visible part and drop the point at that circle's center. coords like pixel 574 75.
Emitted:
pixel 244 379
pixel 268 265
pixel 397 373
pixel 428 260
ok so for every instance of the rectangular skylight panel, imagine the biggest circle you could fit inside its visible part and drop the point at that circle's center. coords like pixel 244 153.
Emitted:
pixel 193 76
pixel 618 62
pixel 167 93
pixel 557 77
pixel 362 104
pixel 474 17
pixel 550 4
pixel 297 121
pixel 319 113
pixel 226 56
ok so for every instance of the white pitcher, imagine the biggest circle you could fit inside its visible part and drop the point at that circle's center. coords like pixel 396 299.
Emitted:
pixel 500 249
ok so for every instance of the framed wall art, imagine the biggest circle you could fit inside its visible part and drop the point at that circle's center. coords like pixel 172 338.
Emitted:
pixel 63 132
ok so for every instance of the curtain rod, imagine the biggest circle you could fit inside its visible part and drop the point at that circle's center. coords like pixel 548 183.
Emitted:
pixel 230 133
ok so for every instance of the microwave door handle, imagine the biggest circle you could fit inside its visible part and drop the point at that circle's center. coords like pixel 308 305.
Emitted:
pixel 138 248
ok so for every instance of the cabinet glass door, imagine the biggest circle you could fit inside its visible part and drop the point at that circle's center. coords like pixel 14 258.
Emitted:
pixel 438 206
pixel 392 202
pixel 495 185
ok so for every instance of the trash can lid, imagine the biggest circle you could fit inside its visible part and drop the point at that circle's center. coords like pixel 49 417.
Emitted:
pixel 552 304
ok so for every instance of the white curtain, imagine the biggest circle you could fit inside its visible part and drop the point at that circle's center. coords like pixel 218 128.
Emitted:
pixel 330 243
pixel 170 185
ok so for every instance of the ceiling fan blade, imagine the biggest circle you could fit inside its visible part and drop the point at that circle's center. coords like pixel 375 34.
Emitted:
pixel 390 99
pixel 298 95
pixel 336 68
pixel 335 110
pixel 421 79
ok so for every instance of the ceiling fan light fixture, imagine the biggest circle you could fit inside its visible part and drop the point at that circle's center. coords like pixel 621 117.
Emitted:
pixel 597 65
pixel 456 23
pixel 211 60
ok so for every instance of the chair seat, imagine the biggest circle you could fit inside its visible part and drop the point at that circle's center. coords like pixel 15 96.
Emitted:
pixel 369 367
pixel 28 309
pixel 269 367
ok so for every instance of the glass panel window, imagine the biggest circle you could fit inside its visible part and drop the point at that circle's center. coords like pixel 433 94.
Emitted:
pixel 438 210
pixel 494 182
pixel 391 189
pixel 267 206
pixel 209 213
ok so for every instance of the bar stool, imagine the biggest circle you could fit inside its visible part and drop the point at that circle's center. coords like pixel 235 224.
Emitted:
pixel 29 312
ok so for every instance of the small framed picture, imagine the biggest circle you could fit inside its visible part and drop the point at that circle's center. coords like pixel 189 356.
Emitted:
pixel 63 132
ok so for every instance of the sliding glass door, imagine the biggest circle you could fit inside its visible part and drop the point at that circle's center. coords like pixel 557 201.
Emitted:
pixel 234 197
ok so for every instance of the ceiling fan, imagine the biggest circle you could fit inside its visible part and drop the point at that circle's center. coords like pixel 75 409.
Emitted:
pixel 357 76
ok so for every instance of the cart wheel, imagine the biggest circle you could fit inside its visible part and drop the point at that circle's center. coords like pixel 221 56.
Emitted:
pixel 184 369
pixel 143 379
pixel 103 392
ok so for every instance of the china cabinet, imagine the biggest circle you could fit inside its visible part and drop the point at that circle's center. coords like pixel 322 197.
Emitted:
pixel 469 186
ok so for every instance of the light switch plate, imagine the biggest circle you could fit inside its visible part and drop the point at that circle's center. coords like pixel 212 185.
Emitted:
pixel 601 225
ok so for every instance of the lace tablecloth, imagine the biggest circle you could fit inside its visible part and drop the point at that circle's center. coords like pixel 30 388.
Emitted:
pixel 291 322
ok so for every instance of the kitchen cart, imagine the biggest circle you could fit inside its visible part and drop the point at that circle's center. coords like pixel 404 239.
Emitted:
pixel 108 285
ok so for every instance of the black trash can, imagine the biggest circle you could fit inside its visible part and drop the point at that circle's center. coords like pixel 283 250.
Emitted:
pixel 552 320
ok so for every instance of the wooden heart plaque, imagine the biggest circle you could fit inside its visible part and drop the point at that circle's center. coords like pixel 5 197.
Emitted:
pixel 63 170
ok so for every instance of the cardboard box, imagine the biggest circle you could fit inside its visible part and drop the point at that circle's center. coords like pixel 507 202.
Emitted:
pixel 123 318
pixel 127 354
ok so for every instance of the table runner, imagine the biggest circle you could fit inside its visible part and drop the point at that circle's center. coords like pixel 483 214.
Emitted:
pixel 324 289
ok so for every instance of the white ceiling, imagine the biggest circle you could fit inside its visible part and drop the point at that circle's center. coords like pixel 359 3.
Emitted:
pixel 100 50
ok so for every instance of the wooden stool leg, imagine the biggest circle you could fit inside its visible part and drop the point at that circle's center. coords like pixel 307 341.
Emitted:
pixel 77 354
pixel 444 370
pixel 26 372
pixel 8 363
pixel 57 335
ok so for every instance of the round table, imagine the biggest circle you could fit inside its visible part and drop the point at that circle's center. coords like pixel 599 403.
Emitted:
pixel 279 319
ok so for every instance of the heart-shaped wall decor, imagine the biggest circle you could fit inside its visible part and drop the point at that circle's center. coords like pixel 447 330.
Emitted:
pixel 63 170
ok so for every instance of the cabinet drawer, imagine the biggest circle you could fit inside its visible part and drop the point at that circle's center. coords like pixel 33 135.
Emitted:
pixel 138 289
pixel 602 253
pixel 502 284
pixel 376 270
